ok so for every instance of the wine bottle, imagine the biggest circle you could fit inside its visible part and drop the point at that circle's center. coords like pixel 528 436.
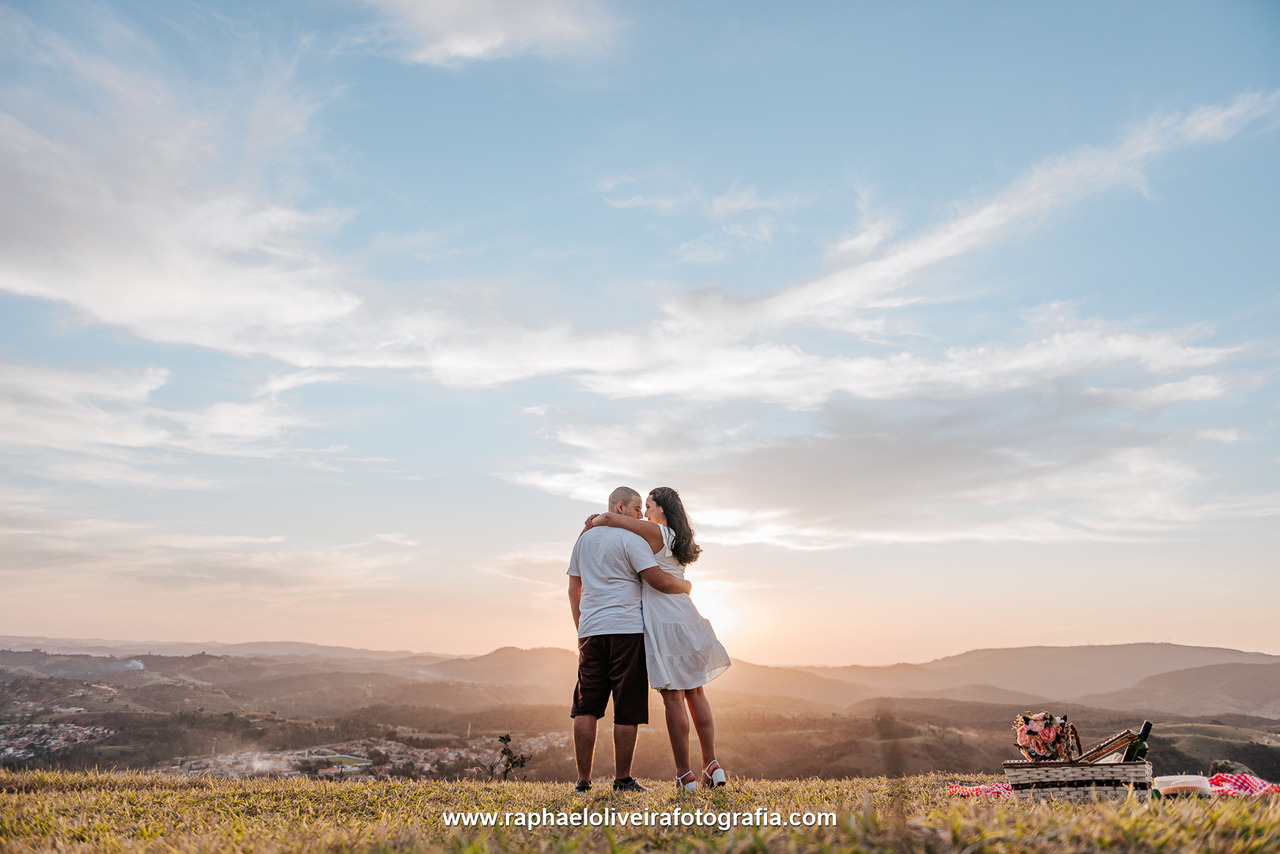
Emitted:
pixel 1137 749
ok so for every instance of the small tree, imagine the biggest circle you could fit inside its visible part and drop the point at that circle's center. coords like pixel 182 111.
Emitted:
pixel 509 759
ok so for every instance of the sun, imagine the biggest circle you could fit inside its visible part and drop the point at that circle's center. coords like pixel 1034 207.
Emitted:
pixel 718 602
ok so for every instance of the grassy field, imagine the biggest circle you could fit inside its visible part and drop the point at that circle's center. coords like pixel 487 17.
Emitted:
pixel 89 812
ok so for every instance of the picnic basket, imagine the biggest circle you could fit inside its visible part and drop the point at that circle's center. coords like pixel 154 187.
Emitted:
pixel 1089 777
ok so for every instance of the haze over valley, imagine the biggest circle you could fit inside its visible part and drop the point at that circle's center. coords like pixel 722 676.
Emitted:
pixel 172 702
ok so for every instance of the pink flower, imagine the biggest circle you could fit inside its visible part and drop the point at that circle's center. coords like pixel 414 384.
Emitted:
pixel 1049 733
pixel 1038 748
pixel 1024 740
pixel 1035 726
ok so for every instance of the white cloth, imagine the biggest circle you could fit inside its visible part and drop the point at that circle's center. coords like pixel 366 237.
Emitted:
pixel 609 562
pixel 681 649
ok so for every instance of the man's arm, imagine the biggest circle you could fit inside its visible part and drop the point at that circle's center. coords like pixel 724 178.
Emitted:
pixel 575 598
pixel 664 582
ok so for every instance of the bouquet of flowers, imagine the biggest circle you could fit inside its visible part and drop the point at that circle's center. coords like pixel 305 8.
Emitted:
pixel 1042 736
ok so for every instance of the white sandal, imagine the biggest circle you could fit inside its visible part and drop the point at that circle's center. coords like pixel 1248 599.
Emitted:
pixel 691 785
pixel 713 778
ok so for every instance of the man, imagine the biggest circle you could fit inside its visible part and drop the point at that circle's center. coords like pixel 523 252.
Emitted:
pixel 605 574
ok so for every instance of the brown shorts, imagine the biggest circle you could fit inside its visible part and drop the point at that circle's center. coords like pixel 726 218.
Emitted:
pixel 612 665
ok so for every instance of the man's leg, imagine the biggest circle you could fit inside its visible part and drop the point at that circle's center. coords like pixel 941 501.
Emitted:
pixel 590 698
pixel 677 729
pixel 630 699
pixel 584 744
pixel 624 749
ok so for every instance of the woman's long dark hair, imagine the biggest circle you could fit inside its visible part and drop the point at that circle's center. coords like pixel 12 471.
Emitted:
pixel 682 545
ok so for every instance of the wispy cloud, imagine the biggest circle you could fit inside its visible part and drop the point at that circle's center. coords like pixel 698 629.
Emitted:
pixel 107 553
pixel 101 424
pixel 716 246
pixel 1014 468
pixel 834 300
pixel 452 32
pixel 875 228
pixel 744 200
pixel 122 221
pixel 665 204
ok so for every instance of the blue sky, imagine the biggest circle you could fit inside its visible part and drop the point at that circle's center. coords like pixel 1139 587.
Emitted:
pixel 332 321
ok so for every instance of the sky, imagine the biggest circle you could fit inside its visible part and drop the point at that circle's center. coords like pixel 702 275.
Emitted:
pixel 955 325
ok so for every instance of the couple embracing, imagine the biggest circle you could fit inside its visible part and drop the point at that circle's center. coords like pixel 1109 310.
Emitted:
pixel 638 627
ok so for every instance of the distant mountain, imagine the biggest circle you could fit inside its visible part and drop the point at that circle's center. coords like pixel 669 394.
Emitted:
pixel 510 666
pixel 550 666
pixel 756 679
pixel 1250 689
pixel 891 680
pixel 1056 673
pixel 268 649
pixel 978 694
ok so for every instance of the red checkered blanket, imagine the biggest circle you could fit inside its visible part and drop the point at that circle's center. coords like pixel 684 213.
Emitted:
pixel 996 790
pixel 1219 784
pixel 1241 784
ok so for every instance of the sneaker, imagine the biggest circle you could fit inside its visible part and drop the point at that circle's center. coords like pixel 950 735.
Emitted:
pixel 583 786
pixel 628 784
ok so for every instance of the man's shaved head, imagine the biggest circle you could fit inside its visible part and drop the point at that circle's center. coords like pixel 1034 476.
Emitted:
pixel 623 495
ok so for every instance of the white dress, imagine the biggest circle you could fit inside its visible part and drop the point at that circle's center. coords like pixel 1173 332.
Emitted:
pixel 681 649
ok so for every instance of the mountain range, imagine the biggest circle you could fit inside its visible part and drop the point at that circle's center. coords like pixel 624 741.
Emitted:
pixel 309 679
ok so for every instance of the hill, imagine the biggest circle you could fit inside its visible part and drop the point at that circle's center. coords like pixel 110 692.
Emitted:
pixel 509 666
pixel 1054 673
pixel 268 649
pixel 1027 677
pixel 1251 689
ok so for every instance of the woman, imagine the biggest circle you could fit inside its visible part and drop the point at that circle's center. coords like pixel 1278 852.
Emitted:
pixel 681 649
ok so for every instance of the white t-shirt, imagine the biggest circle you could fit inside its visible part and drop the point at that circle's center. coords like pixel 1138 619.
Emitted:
pixel 609 562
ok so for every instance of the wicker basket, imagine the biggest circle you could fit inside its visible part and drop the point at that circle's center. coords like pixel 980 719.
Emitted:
pixel 1077 781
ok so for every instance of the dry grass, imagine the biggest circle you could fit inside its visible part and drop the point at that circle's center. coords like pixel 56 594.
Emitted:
pixel 89 812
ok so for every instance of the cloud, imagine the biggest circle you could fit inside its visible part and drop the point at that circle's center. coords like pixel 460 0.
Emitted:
pixel 866 240
pixel 874 229
pixel 789 376
pixel 65 408
pixel 452 32
pixel 114 206
pixel 277 384
pixel 1015 467
pixel 537 563
pixel 101 424
pixel 174 265
pixel 397 539
pixel 1196 388
pixel 744 199
pixel 665 204
pixel 718 245
pixel 202 542
pixel 707 249
pixel 835 299
pixel 994 442
pixel 48 547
